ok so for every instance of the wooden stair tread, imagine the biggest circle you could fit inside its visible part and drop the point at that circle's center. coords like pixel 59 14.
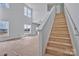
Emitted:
pixel 59 16
pixel 47 55
pixel 60 29
pixel 59 43
pixel 60 37
pixel 64 40
pixel 59 50
pixel 60 19
pixel 64 22
pixel 62 32
pixel 60 26
pixel 60 40
pixel 59 32
pixel 59 22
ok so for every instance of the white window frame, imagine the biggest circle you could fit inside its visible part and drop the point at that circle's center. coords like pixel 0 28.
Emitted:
pixel 4 5
pixel 6 25
pixel 27 27
pixel 27 11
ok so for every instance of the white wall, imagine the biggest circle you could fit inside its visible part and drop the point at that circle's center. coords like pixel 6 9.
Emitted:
pixel 73 8
pixel 39 11
pixel 59 7
pixel 16 18
pixel 45 29
pixel 74 12
pixel 50 5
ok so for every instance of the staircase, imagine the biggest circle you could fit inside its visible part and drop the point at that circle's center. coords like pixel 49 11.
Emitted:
pixel 59 43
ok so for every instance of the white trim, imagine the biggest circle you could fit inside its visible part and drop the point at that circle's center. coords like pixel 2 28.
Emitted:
pixel 70 28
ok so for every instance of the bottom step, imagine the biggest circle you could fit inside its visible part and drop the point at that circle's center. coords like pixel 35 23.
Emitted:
pixel 48 55
pixel 58 52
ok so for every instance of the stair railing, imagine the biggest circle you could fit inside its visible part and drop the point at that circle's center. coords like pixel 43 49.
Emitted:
pixel 75 28
pixel 74 32
pixel 44 30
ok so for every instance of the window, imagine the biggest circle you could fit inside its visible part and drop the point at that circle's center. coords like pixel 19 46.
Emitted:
pixel 4 5
pixel 25 11
pixel 7 5
pixel 4 28
pixel 27 28
pixel 28 12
